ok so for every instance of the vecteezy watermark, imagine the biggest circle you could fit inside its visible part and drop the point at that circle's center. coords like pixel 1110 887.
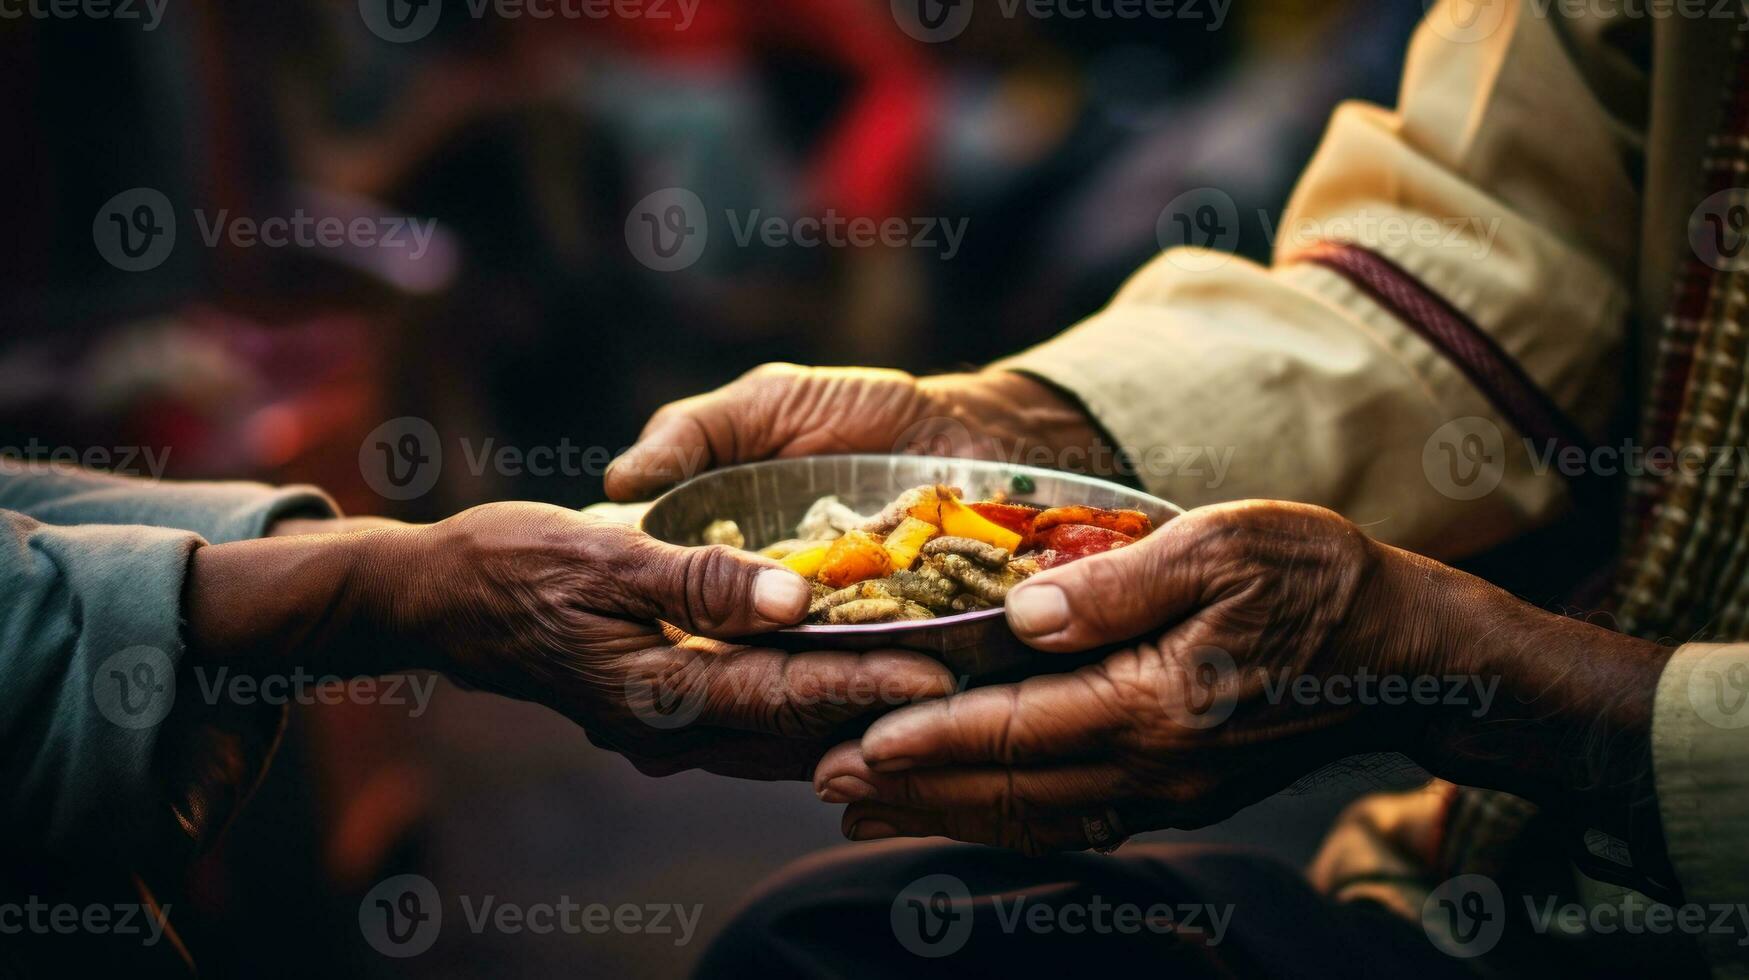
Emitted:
pixel 402 916
pixel 411 691
pixel 1718 689
pixel 35 916
pixel 668 230
pixel 674 695
pixel 147 13
pixel 946 436
pixel 933 917
pixel 1201 228
pixel 934 21
pixel 1470 21
pixel 1467 916
pixel 403 458
pixel 406 21
pixel 147 462
pixel 1465 459
pixel 134 688
pixel 1718 230
pixel 137 687
pixel 1204 686
pixel 136 230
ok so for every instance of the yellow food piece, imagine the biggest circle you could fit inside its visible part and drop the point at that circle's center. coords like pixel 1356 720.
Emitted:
pixel 907 541
pixel 960 521
pixel 807 561
pixel 855 557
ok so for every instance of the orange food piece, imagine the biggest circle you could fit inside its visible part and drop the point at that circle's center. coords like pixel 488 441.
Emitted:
pixel 856 557
pixel 1132 523
pixel 1015 517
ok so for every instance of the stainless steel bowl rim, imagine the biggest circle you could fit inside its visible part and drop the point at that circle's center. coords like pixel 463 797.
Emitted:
pixel 918 625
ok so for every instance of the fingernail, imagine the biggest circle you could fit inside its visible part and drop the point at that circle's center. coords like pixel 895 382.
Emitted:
pixel 780 596
pixel 872 830
pixel 845 789
pixel 1038 610
pixel 896 764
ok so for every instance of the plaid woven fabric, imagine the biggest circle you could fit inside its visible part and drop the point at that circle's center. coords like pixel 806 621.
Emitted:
pixel 1683 574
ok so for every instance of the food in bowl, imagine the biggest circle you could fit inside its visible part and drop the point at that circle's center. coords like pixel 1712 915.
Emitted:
pixel 929 553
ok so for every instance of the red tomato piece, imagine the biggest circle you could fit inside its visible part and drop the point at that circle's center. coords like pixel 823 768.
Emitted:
pixel 1080 540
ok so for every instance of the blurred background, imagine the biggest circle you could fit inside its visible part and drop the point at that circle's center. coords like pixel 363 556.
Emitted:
pixel 526 151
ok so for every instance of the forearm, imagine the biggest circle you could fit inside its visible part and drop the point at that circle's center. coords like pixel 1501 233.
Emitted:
pixel 1569 722
pixel 319 601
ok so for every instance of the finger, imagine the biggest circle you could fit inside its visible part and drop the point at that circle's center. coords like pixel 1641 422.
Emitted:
pixel 1035 834
pixel 1041 719
pixel 675 445
pixel 738 423
pixel 714 591
pixel 842 776
pixel 791 695
pixel 1109 597
pixel 741 755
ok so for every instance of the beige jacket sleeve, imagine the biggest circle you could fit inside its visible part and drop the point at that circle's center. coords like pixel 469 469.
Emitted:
pixel 1502 184
pixel 1700 759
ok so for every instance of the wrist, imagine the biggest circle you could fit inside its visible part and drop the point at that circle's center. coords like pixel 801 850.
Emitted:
pixel 1021 418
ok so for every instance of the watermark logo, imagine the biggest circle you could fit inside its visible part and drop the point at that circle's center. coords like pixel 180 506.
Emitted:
pixel 939 435
pixel 668 700
pixel 1202 691
pixel 401 916
pixel 400 21
pixel 668 230
pixel 1465 459
pixel 932 21
pixel 1199 229
pixel 932 916
pixel 402 458
pixel 1718 230
pixel 1467 21
pixel 135 231
pixel 1718 690
pixel 1465 916
pixel 135 688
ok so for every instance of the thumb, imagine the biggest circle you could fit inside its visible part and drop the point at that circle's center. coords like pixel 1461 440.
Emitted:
pixel 674 446
pixel 1106 598
pixel 716 591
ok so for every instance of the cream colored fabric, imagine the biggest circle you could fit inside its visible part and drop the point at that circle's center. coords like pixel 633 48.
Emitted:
pixel 1700 757
pixel 1505 181
pixel 1539 173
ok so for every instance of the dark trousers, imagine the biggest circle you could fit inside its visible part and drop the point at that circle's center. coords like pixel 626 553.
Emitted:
pixel 920 910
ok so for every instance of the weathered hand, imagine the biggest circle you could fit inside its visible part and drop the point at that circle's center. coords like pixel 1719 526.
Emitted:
pixel 1276 638
pixel 551 606
pixel 782 410
pixel 1179 730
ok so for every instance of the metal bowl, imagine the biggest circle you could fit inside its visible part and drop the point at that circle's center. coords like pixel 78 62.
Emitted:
pixel 768 499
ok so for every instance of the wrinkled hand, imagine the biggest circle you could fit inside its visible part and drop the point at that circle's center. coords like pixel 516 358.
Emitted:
pixel 1180 730
pixel 783 410
pixel 547 605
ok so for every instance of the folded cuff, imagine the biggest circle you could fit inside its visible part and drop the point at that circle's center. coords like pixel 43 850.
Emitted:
pixel 1700 758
